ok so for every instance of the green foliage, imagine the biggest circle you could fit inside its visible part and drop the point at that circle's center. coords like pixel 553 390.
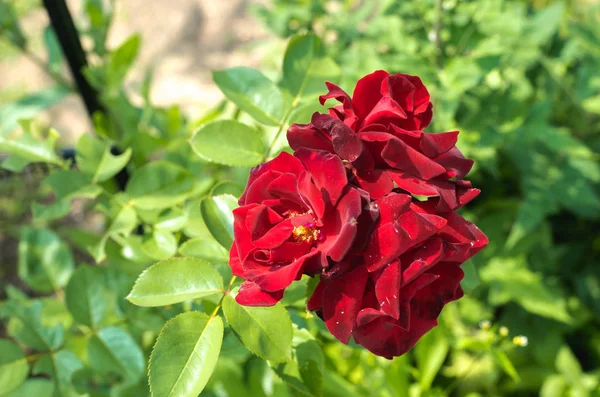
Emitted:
pixel 114 274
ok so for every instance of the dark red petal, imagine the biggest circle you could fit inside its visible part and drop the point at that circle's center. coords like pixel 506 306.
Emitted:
pixel 276 236
pixel 433 145
pixel 387 289
pixel 307 136
pixel 327 171
pixel 429 301
pixel 315 302
pixel 386 109
pixel 392 206
pixel 386 243
pixel 339 226
pixel 285 187
pixel 346 142
pixel 260 220
pixel 401 156
pixel 250 294
pixel 234 261
pixel 283 163
pixel 376 182
pixel 279 277
pixel 455 164
pixel 342 300
pixel 312 196
pixel 368 92
pixel 422 259
pixel 413 185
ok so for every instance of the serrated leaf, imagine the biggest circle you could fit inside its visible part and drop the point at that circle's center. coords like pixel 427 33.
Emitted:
pixel 265 331
pixel 85 296
pixel 175 280
pixel 94 158
pixel 205 248
pixel 160 245
pixel 229 142
pixel 253 93
pixel 185 355
pixel 158 185
pixel 45 261
pixel 113 350
pixel 13 366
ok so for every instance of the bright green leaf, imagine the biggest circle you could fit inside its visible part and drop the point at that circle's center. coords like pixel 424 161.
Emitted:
pixel 431 352
pixel 185 355
pixel 218 217
pixel 265 331
pixel 94 158
pixel 13 366
pixel 33 387
pixel 29 329
pixel 30 145
pixel 114 350
pixel 85 296
pixel 175 280
pixel 159 185
pixel 60 366
pixel 252 92
pixel 45 261
pixel 568 365
pixel 206 248
pixel 160 245
pixel 230 143
pixel 507 365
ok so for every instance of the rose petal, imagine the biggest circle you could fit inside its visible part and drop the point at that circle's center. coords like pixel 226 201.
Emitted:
pixel 346 142
pixel 434 145
pixel 386 109
pixel 339 227
pixel 327 171
pixel 341 302
pixel 401 156
pixel 307 136
pixel 376 182
pixel 387 289
pixel 250 294
pixel 279 277
pixel 368 92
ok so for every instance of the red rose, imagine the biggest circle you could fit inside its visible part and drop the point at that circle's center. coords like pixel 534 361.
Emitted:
pixel 387 306
pixel 297 215
pixel 379 132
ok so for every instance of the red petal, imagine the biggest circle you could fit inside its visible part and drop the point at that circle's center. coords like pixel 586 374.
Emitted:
pixel 413 185
pixel 276 236
pixel 346 142
pixel 376 182
pixel 434 145
pixel 307 136
pixel 455 163
pixel 327 172
pixel 250 294
pixel 386 108
pixel 387 289
pixel 342 300
pixel 280 277
pixel 368 92
pixel 339 226
pixel 392 206
pixel 315 302
pixel 422 259
pixel 401 156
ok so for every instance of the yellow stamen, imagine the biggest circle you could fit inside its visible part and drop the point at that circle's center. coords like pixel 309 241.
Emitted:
pixel 305 234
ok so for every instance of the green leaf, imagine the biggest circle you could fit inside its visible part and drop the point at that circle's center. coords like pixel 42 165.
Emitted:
pixel 13 366
pixel 568 365
pixel 69 184
pixel 305 372
pixel 253 93
pixel 217 212
pixel 121 59
pixel 10 25
pixel 53 49
pixel 85 296
pixel 95 159
pixel 554 386
pixel 60 366
pixel 305 67
pixel 205 248
pixel 431 351
pixel 471 279
pixel 113 350
pixel 33 387
pixel 229 142
pixel 185 355
pixel 175 280
pixel 29 330
pixel 265 331
pixel 506 365
pixel 160 245
pixel 30 145
pixel 45 261
pixel 171 219
pixel 398 375
pixel 544 23
pixel 158 185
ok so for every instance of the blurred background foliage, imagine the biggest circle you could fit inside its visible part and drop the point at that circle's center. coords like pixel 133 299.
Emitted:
pixel 518 78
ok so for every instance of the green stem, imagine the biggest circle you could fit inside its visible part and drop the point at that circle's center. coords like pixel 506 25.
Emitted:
pixel 226 292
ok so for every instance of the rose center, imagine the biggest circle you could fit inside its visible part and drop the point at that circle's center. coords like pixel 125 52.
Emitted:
pixel 305 234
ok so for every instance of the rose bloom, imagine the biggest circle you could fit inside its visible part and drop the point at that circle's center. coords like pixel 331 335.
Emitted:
pixel 394 291
pixel 297 215
pixel 379 132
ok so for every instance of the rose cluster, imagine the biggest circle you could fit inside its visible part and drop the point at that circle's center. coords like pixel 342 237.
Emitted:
pixel 368 203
